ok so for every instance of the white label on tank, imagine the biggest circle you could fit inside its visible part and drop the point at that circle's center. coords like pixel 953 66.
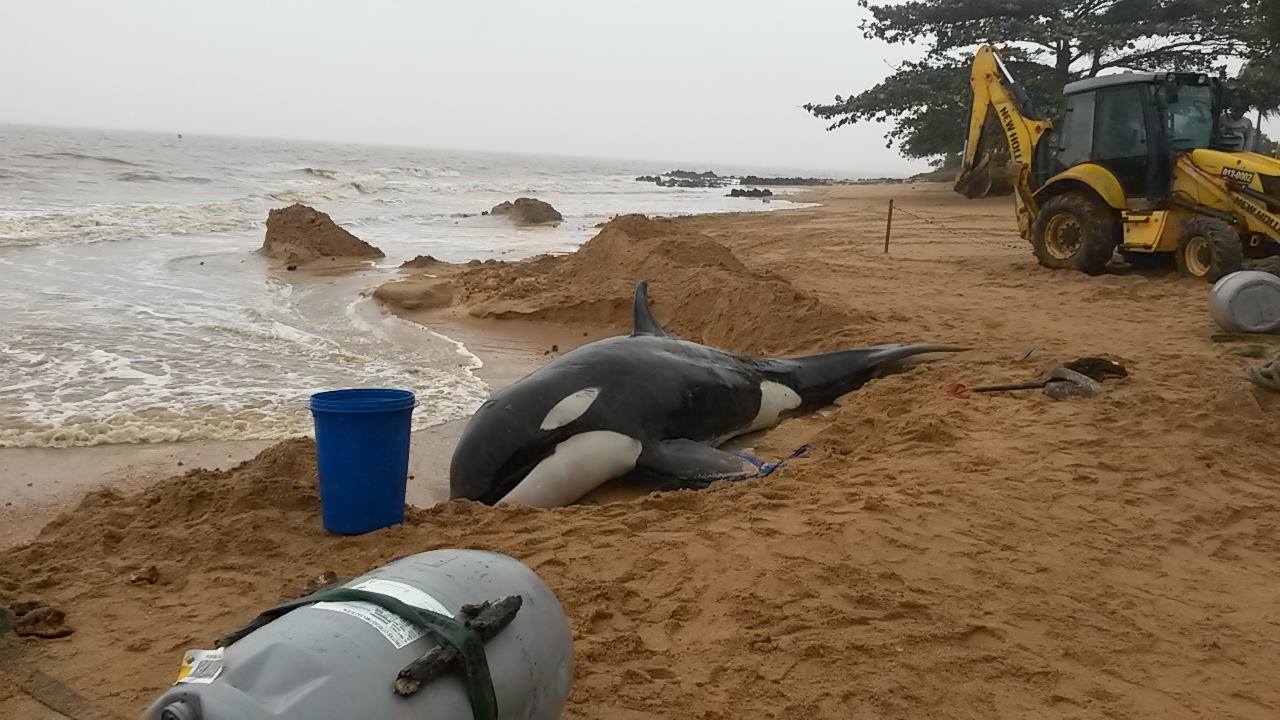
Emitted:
pixel 398 631
pixel 407 594
pixel 200 666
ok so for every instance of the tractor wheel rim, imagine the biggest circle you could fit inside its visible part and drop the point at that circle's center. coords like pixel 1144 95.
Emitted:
pixel 1062 237
pixel 1197 256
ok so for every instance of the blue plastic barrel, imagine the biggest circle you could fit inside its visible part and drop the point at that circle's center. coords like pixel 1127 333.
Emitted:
pixel 362 454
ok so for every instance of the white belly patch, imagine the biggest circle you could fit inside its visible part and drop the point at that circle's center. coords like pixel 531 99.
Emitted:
pixel 579 465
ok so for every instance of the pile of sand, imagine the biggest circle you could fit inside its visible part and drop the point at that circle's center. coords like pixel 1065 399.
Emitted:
pixel 299 234
pixel 527 211
pixel 176 525
pixel 420 261
pixel 698 287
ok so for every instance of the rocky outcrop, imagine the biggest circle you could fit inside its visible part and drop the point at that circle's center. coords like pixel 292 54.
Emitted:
pixel 750 192
pixel 708 179
pixel 687 179
pixel 757 180
pixel 299 234
pixel 694 175
pixel 527 211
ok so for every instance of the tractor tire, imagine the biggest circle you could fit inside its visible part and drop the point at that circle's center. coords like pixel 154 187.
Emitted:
pixel 1209 249
pixel 1075 231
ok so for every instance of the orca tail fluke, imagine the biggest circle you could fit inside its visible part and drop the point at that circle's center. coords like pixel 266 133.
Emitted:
pixel 820 379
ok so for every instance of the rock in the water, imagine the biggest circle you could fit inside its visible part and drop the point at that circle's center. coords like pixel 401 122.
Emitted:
pixel 527 211
pixel 299 234
pixel 750 192
pixel 757 180
pixel 687 179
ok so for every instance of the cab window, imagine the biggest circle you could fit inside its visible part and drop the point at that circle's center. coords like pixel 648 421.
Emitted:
pixel 1076 137
pixel 1189 119
pixel 1120 129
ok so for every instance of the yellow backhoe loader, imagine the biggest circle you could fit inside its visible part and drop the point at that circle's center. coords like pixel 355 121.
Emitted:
pixel 1139 163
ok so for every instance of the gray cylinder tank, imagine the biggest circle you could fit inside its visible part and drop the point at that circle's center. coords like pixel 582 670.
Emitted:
pixel 338 661
pixel 1246 301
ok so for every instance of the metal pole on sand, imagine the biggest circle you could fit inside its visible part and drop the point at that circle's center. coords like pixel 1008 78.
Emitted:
pixel 888 226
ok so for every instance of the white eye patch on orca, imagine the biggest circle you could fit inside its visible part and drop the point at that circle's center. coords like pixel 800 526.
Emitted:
pixel 569 409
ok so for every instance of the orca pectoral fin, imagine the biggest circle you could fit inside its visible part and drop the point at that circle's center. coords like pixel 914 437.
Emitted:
pixel 690 464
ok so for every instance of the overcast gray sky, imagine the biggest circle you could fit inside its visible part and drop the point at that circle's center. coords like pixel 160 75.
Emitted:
pixel 712 82
pixel 717 83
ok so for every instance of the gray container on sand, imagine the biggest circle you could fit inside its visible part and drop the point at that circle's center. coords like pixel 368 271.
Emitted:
pixel 338 661
pixel 1246 301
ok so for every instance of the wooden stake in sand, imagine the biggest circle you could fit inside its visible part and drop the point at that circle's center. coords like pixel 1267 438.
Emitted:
pixel 888 226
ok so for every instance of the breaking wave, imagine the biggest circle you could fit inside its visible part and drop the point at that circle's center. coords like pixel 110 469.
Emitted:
pixel 386 173
pixel 81 156
pixel 128 221
pixel 158 177
pixel 99 223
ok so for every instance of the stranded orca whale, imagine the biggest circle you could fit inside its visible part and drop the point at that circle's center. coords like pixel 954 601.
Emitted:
pixel 648 402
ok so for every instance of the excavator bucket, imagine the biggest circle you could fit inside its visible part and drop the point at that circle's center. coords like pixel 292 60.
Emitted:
pixel 990 174
pixel 989 177
pixel 975 182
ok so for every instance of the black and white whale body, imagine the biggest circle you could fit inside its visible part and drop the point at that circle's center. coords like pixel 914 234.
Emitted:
pixel 647 402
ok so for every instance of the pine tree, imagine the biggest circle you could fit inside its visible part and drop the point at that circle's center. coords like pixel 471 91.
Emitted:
pixel 1046 43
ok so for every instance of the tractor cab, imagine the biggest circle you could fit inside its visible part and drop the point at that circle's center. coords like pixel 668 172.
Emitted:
pixel 1133 125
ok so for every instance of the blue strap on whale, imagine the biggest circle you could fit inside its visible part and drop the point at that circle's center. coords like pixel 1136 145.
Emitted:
pixel 764 469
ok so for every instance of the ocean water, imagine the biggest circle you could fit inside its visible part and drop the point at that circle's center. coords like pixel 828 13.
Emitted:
pixel 135 308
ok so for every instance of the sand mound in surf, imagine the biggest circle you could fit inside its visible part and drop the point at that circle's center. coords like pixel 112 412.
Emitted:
pixel 698 287
pixel 299 234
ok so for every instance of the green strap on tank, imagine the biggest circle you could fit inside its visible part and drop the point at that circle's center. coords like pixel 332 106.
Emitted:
pixel 442 629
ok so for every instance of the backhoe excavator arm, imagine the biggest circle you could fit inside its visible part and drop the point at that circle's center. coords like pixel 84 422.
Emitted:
pixel 1003 131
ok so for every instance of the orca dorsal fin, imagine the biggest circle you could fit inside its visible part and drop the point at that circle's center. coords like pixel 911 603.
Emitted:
pixel 642 320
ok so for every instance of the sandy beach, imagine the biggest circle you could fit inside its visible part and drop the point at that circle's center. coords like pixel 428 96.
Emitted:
pixel 935 556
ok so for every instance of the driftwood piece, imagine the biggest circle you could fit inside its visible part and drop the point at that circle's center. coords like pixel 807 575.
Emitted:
pixel 487 619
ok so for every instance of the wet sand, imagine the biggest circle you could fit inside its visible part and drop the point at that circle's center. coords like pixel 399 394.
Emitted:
pixel 935 556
